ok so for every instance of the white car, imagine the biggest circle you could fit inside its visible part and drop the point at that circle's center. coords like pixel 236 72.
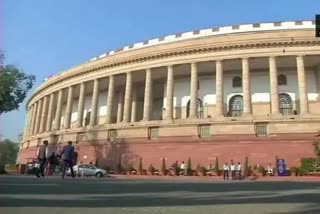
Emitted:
pixel 88 170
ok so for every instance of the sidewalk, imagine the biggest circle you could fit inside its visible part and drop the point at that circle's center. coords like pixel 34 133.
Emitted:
pixel 215 178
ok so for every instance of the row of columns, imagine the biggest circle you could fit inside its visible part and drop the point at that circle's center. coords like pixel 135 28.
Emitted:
pixel 40 115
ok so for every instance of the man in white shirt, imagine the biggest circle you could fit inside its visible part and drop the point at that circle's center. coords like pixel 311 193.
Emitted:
pixel 233 170
pixel 226 170
pixel 239 171
pixel 183 168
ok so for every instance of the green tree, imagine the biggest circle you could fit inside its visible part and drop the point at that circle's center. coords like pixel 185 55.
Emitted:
pixel 246 167
pixel 8 152
pixel 216 166
pixel 164 167
pixel 189 167
pixel 140 166
pixel 14 85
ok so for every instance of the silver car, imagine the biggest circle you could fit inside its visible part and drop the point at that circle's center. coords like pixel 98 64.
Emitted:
pixel 88 170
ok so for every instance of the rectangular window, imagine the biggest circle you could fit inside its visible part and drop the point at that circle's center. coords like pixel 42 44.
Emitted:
pixel 204 131
pixel 261 129
pixel 153 133
pixel 113 134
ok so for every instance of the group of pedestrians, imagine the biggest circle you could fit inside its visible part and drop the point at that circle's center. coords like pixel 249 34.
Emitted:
pixel 233 170
pixel 44 159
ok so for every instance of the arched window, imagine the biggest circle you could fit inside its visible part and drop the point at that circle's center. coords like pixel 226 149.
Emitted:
pixel 285 104
pixel 236 82
pixel 199 108
pixel 282 79
pixel 236 106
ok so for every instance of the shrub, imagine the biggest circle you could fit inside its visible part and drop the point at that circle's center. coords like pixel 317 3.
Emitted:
pixel 189 167
pixel 216 166
pixel 246 167
pixel 261 169
pixel 119 166
pixel 164 167
pixel 307 165
pixel 295 170
pixel 131 168
pixel 288 173
pixel 202 170
pixel 151 169
pixel 140 167
pixel 316 145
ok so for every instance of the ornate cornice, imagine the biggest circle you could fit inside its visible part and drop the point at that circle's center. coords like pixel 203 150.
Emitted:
pixel 201 50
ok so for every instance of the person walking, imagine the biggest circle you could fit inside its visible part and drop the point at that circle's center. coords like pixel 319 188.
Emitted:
pixel 233 170
pixel 226 170
pixel 67 155
pixel 239 171
pixel 42 155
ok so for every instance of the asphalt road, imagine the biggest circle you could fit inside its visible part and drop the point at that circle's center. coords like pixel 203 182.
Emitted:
pixel 23 194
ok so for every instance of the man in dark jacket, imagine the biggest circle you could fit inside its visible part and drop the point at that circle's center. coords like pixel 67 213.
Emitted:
pixel 42 155
pixel 67 157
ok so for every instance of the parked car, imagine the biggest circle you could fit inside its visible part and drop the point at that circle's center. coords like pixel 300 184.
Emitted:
pixel 88 170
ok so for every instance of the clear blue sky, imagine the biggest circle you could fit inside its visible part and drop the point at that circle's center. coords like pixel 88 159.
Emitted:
pixel 46 36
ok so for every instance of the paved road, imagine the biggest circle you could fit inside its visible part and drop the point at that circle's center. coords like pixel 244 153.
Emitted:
pixel 23 194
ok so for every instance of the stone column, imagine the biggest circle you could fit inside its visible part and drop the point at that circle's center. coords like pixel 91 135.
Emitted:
pixel 134 106
pixel 147 96
pixel 67 120
pixel 38 118
pixel 219 89
pixel 169 94
pixel 36 104
pixel 94 103
pixel 318 80
pixel 57 119
pixel 120 106
pixel 110 100
pixel 304 106
pixel 31 120
pixel 50 113
pixel 81 105
pixel 44 114
pixel 193 91
pixel 27 125
pixel 274 86
pixel 246 87
pixel 127 98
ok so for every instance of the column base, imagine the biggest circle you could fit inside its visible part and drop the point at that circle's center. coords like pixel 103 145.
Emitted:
pixel 219 118
pixel 276 116
pixel 167 121
pixel 247 116
pixel 309 116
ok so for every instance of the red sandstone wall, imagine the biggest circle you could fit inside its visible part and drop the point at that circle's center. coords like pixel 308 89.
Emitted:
pixel 203 153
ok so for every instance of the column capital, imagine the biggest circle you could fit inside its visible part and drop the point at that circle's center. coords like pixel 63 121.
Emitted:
pixel 300 56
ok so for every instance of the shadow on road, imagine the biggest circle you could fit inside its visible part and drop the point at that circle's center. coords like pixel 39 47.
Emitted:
pixel 31 192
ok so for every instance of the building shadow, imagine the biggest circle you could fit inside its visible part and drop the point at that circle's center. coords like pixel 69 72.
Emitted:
pixel 82 193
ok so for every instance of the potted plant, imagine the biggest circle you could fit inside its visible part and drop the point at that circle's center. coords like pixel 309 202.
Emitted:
pixel 132 170
pixel 151 169
pixel 295 171
pixel 261 171
pixel 216 167
pixel 202 170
